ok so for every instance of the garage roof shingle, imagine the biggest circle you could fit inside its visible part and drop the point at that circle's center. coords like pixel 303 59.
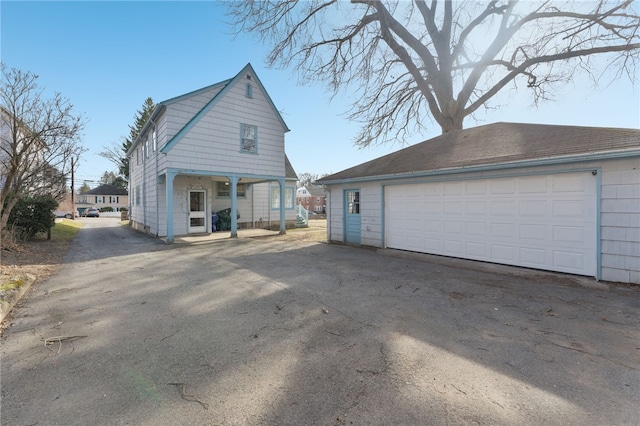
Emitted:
pixel 494 144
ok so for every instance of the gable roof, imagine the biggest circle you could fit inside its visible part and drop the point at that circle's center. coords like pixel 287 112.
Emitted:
pixel 496 144
pixel 315 190
pixel 289 172
pixel 227 85
pixel 107 190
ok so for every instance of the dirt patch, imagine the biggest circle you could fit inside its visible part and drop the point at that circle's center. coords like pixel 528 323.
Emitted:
pixel 316 231
pixel 40 257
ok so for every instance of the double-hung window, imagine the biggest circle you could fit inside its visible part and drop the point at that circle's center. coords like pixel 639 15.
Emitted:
pixel 248 138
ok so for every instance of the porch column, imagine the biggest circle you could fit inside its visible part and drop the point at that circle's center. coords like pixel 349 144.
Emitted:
pixel 283 222
pixel 233 181
pixel 169 190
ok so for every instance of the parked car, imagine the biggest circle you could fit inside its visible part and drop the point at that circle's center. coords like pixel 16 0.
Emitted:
pixel 91 212
pixel 62 213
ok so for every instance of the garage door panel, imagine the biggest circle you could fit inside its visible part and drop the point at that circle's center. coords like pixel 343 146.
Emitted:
pixel 568 260
pixel 454 227
pixel 453 188
pixel 454 207
pixel 454 248
pixel 573 183
pixel 569 209
pixel 476 187
pixel 502 186
pixel 503 208
pixel 476 228
pixel 542 221
pixel 533 232
pixel 569 235
pixel 432 225
pixel 533 208
pixel 433 245
pixel 533 257
pixel 503 230
pixel 475 208
pixel 503 252
pixel 476 250
pixel 533 184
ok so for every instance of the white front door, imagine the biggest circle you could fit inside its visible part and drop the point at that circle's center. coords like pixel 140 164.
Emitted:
pixel 197 212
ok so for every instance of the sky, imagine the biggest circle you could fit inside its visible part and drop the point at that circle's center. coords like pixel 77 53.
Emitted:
pixel 108 57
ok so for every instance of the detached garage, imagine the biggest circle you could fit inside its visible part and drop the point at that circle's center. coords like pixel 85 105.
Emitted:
pixel 558 198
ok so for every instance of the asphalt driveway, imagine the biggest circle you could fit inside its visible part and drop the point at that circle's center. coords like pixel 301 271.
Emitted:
pixel 272 331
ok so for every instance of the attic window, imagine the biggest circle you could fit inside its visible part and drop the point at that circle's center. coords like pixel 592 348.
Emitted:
pixel 248 76
pixel 249 92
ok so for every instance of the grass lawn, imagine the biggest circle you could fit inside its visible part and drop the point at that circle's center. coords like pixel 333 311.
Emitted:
pixel 65 230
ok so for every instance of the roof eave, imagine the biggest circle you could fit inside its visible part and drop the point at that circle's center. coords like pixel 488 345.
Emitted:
pixel 606 155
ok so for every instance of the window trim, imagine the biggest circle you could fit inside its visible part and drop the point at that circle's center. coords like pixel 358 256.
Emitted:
pixel 289 195
pixel 239 194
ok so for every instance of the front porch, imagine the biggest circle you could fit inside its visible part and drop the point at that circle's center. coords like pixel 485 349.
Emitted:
pixel 221 235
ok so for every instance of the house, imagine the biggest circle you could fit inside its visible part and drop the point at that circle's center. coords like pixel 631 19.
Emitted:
pixel 103 196
pixel 312 198
pixel 559 198
pixel 219 148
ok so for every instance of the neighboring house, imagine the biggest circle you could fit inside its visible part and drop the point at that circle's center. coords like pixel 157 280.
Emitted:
pixel 103 196
pixel 220 147
pixel 312 198
pixel 559 198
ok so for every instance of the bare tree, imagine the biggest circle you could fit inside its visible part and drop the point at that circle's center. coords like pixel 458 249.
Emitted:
pixel 408 61
pixel 38 139
pixel 306 178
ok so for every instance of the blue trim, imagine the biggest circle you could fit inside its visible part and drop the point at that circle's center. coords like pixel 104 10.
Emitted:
pixel 195 172
pixel 345 216
pixel 489 167
pixel 494 176
pixel 234 206
pixel 248 68
pixel 169 206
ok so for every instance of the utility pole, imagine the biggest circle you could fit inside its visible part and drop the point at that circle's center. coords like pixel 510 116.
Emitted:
pixel 73 191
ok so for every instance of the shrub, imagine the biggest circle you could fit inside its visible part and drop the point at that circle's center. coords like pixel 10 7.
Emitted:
pixel 106 209
pixel 124 209
pixel 32 214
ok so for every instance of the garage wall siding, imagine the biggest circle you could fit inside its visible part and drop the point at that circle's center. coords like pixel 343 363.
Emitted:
pixel 370 215
pixel 620 219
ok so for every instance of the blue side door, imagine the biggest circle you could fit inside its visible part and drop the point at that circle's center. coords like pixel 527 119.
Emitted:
pixel 352 216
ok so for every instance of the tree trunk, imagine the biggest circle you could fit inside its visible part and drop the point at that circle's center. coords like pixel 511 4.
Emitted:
pixel 451 123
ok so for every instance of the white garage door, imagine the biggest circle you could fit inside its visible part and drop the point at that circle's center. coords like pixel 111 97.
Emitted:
pixel 540 221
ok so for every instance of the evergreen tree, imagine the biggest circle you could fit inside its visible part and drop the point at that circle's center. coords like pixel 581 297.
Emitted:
pixel 117 153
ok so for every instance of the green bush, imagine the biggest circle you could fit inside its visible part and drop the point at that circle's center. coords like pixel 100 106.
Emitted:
pixel 32 214
pixel 124 209
pixel 106 209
